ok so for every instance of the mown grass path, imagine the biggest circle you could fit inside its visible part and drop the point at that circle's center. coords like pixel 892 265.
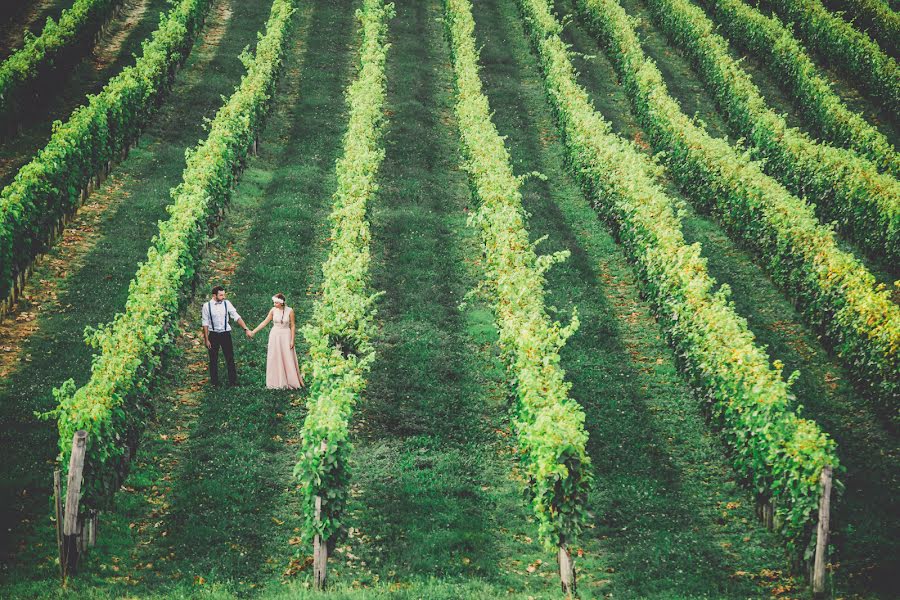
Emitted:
pixel 864 528
pixel 95 286
pixel 236 463
pixel 432 494
pixel 670 521
pixel 114 50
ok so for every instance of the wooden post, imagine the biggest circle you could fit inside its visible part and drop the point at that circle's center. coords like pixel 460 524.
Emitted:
pixel 57 501
pixel 94 520
pixel 82 537
pixel 566 569
pixel 818 579
pixel 320 546
pixel 73 495
pixel 320 552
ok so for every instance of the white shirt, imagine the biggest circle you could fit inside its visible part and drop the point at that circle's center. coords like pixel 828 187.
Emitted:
pixel 218 320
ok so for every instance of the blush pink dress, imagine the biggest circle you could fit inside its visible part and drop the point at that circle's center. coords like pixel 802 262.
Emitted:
pixel 282 370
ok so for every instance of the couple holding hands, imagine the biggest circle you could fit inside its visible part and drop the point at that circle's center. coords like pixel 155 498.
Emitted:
pixel 282 370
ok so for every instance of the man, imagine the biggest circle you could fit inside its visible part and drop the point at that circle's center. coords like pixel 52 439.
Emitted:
pixel 217 334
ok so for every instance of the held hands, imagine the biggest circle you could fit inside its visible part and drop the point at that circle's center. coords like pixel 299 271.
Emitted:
pixel 249 333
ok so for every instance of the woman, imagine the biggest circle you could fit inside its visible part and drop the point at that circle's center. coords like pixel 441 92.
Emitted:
pixel 282 370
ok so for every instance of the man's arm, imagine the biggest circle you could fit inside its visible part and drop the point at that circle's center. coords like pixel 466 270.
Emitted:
pixel 246 329
pixel 204 317
pixel 237 318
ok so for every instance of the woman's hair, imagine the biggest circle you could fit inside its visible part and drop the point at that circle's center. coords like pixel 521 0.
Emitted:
pixel 280 295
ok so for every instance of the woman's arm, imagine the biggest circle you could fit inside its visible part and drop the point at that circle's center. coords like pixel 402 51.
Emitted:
pixel 293 329
pixel 264 323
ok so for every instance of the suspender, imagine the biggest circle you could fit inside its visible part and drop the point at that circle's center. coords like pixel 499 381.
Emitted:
pixel 212 323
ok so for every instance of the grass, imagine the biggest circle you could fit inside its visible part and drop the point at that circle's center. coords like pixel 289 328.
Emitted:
pixel 97 286
pixel 432 494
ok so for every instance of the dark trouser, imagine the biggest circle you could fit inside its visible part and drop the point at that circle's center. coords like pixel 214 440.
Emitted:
pixel 221 340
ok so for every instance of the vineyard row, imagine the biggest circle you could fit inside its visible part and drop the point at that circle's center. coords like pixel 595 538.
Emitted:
pixel 779 453
pixel 843 45
pixel 878 19
pixel 22 71
pixel 340 332
pixel 837 294
pixel 112 405
pixel 774 43
pixel 549 424
pixel 58 179
pixel 843 186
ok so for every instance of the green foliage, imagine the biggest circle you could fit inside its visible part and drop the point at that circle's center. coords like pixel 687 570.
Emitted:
pixel 844 187
pixel 778 454
pixel 112 404
pixel 775 44
pixel 20 71
pixel 877 18
pixel 851 50
pixel 837 294
pixel 549 424
pixel 339 334
pixel 48 187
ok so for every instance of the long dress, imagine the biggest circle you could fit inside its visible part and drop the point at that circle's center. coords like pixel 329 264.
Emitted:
pixel 282 370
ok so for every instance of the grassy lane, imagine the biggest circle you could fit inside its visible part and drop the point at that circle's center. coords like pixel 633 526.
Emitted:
pixel 864 529
pixel 228 506
pixel 96 284
pixel 671 522
pixel 137 20
pixel 433 493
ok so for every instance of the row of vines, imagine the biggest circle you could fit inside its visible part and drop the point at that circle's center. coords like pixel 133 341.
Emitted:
pixel 113 404
pixel 769 39
pixel 52 185
pixel 549 424
pixel 875 17
pixel 28 65
pixel 845 46
pixel 778 453
pixel 340 332
pixel 837 294
pixel 844 187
